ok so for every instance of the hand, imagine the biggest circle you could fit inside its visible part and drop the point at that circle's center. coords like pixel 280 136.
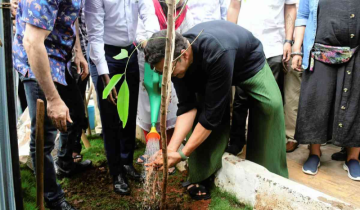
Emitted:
pixel 287 52
pixel 113 94
pixel 59 114
pixel 296 62
pixel 81 63
pixel 173 159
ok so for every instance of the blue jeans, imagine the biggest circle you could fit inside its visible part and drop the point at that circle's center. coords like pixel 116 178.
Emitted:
pixel 71 96
pixel 119 142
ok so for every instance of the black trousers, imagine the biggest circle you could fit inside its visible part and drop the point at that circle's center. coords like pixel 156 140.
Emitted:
pixel 119 141
pixel 241 104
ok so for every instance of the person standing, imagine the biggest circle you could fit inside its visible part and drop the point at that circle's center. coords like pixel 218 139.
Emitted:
pixel 41 54
pixel 208 10
pixel 326 48
pixel 273 24
pixel 112 28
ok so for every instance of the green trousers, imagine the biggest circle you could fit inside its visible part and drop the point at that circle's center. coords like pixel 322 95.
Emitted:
pixel 266 144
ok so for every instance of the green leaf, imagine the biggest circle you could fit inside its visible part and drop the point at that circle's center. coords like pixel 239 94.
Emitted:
pixel 123 54
pixel 123 103
pixel 114 80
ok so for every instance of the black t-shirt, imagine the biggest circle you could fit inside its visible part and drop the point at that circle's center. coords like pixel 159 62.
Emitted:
pixel 225 54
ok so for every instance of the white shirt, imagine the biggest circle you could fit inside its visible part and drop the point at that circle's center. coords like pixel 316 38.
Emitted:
pixel 265 19
pixel 114 22
pixel 208 10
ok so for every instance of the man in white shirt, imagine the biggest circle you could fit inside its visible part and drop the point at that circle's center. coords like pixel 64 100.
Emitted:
pixel 111 28
pixel 272 22
pixel 208 10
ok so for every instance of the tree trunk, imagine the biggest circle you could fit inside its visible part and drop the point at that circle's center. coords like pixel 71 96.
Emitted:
pixel 169 55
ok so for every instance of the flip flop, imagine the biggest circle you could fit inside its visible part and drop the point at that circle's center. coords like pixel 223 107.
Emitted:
pixel 141 158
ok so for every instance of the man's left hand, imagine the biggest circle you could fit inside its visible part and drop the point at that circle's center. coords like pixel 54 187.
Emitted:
pixel 173 159
pixel 81 64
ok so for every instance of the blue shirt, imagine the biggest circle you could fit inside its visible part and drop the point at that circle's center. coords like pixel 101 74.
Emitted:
pixel 307 16
pixel 57 16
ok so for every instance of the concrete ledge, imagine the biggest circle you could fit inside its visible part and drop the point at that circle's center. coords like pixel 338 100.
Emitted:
pixel 254 185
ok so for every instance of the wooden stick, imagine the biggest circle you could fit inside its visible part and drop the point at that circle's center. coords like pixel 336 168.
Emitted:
pixel 39 136
pixel 89 94
pixel 85 140
pixel 169 54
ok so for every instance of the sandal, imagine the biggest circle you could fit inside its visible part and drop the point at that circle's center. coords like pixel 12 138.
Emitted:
pixel 77 158
pixel 195 189
pixel 172 170
pixel 143 158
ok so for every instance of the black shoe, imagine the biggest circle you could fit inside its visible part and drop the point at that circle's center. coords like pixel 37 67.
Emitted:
pixel 74 168
pixel 131 172
pixel 120 185
pixel 340 156
pixel 60 205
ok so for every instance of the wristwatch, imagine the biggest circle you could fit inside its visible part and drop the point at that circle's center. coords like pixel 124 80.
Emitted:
pixel 291 42
pixel 296 53
pixel 183 156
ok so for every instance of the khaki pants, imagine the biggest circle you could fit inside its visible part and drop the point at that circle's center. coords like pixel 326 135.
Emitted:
pixel 292 83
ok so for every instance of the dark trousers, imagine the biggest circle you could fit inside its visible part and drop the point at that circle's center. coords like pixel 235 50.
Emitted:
pixel 82 89
pixel 241 104
pixel 70 95
pixel 119 141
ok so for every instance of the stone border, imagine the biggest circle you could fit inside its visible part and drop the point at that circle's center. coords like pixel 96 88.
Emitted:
pixel 254 185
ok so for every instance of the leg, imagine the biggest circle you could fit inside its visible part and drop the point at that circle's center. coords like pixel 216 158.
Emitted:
pixel 238 127
pixel 292 84
pixel 266 134
pixel 277 69
pixel 52 191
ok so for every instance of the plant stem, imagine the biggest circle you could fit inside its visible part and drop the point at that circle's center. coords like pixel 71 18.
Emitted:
pixel 169 54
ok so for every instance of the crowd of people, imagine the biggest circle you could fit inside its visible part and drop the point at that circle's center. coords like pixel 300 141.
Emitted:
pixel 295 73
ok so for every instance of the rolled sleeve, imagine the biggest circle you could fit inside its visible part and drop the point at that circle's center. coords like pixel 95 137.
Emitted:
pixel 94 19
pixel 218 89
pixel 147 15
pixel 40 13
pixel 303 13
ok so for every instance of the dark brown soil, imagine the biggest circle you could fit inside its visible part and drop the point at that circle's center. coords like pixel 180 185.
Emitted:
pixel 93 190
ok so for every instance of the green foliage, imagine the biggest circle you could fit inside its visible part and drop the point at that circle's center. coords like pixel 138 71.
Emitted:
pixel 95 153
pixel 123 54
pixel 113 81
pixel 123 103
pixel 28 184
pixel 225 201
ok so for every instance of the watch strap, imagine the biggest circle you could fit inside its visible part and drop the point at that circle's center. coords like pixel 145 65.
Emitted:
pixel 289 41
pixel 183 156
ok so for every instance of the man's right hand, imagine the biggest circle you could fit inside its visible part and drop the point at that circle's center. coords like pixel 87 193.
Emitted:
pixel 112 97
pixel 59 114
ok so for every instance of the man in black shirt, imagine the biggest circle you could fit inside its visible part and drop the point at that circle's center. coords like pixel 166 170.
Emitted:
pixel 224 54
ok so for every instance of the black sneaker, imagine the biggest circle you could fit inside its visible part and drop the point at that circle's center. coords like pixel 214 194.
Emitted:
pixel 131 172
pixel 120 185
pixel 234 150
pixel 60 205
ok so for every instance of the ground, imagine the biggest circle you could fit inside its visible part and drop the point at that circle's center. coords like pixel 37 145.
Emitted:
pixel 93 189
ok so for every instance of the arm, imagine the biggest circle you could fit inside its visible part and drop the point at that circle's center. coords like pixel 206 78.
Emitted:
pixel 299 37
pixel 300 25
pixel 80 60
pixel 94 19
pixel 224 5
pixel 33 40
pixel 147 15
pixel 290 16
pixel 234 10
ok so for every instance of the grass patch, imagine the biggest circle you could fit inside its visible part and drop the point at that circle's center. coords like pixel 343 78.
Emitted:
pixel 96 152
pixel 225 201
pixel 28 184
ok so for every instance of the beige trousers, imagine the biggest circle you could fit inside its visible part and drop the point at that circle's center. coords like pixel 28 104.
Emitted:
pixel 292 85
